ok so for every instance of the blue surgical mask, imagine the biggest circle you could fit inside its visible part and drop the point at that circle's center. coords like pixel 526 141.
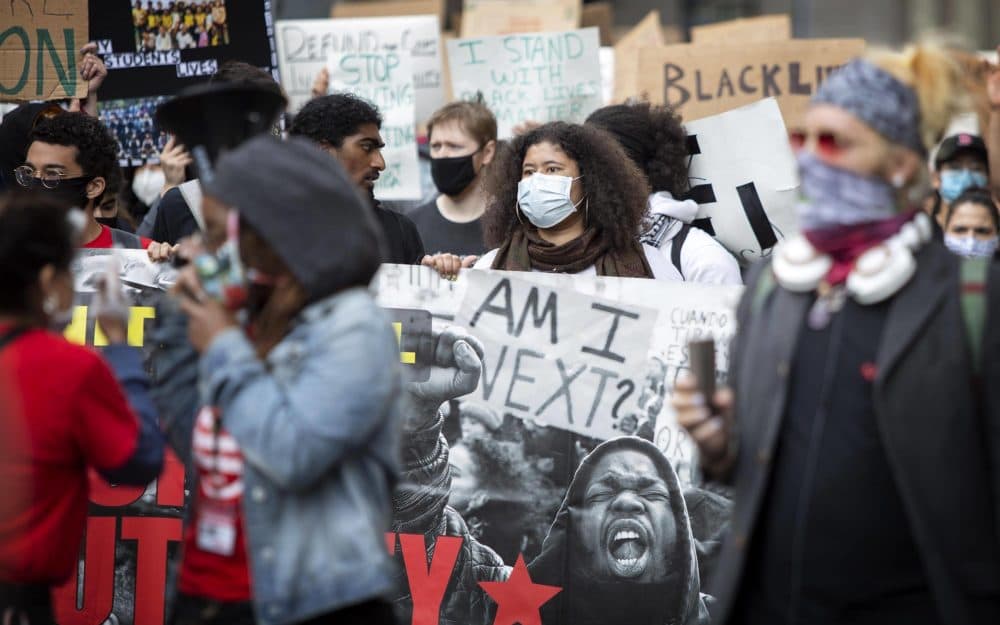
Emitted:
pixel 545 200
pixel 971 246
pixel 955 181
pixel 833 197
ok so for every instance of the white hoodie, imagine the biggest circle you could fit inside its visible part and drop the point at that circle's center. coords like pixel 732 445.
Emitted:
pixel 703 259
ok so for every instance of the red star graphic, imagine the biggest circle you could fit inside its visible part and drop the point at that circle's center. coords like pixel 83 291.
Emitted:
pixel 518 599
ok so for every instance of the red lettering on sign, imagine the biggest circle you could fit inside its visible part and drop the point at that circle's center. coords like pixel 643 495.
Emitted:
pixel 428 584
pixel 94 606
pixel 153 535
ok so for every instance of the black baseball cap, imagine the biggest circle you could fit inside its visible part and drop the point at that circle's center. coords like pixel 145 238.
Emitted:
pixel 954 144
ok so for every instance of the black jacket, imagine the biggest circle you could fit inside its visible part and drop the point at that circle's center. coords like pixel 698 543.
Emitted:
pixel 939 423
pixel 403 244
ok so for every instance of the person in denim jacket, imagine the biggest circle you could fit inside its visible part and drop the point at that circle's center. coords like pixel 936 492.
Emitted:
pixel 291 438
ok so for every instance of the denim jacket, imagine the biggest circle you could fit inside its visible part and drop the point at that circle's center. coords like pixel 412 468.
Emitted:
pixel 318 425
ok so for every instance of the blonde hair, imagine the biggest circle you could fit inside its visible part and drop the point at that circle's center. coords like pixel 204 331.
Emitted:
pixel 938 80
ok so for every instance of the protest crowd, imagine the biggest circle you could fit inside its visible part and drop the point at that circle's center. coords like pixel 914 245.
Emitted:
pixel 473 327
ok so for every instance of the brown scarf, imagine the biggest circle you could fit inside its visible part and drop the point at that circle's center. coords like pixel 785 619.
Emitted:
pixel 526 251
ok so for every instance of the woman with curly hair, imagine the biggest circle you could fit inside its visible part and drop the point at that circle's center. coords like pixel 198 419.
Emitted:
pixel 565 198
pixel 654 139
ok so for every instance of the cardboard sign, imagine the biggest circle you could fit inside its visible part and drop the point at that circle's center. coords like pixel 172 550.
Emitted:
pixel 760 29
pixel 388 8
pixel 304 46
pixel 600 15
pixel 482 18
pixel 702 80
pixel 385 78
pixel 532 76
pixel 646 34
pixel 40 45
pixel 744 177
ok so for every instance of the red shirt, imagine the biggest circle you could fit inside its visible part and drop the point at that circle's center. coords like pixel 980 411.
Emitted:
pixel 61 410
pixel 219 466
pixel 104 241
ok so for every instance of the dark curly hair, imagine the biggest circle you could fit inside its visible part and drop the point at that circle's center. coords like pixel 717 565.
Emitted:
pixel 96 147
pixel 653 137
pixel 331 118
pixel 34 232
pixel 615 189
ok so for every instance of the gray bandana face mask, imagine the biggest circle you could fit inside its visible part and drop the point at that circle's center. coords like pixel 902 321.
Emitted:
pixel 835 197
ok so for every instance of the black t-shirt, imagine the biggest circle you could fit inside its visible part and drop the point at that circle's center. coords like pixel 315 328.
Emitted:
pixel 441 235
pixel 403 244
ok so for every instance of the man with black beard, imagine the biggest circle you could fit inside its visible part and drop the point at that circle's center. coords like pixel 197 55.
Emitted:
pixel 348 127
pixel 620 547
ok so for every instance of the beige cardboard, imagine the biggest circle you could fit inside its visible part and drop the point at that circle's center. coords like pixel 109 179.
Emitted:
pixel 759 29
pixel 602 16
pixel 703 80
pixel 52 31
pixel 646 34
pixel 387 8
pixel 484 18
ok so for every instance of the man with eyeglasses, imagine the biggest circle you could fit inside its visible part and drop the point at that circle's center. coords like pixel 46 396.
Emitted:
pixel 73 156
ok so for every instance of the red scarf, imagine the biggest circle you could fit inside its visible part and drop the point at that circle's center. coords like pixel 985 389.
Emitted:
pixel 845 244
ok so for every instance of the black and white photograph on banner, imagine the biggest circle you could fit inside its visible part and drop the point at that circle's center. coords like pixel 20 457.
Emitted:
pixel 161 25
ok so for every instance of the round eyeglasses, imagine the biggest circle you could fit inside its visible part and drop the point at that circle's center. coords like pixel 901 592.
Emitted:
pixel 27 178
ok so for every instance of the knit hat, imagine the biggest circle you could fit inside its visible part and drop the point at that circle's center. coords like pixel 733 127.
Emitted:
pixel 877 98
pixel 302 203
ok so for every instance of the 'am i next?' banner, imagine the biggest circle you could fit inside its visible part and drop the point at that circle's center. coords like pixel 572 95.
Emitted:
pixel 531 76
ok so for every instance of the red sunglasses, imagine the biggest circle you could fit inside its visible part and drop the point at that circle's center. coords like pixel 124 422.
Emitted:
pixel 827 143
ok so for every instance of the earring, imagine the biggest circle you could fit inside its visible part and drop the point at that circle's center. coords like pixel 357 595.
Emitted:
pixel 898 180
pixel 586 213
pixel 51 305
pixel 517 213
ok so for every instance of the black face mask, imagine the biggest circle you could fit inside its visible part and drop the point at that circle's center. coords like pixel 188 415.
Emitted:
pixel 73 191
pixel 111 222
pixel 453 175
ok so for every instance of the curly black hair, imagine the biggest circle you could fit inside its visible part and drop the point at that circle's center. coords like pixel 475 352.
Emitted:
pixel 34 232
pixel 96 147
pixel 615 189
pixel 653 137
pixel 976 195
pixel 331 118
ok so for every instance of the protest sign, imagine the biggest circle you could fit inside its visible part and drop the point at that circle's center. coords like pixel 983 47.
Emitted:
pixel 744 177
pixel 388 8
pixel 760 29
pixel 483 18
pixel 646 34
pixel 142 74
pixel 532 76
pixel 304 47
pixel 502 473
pixel 607 58
pixel 600 15
pixel 40 50
pixel 385 78
pixel 705 79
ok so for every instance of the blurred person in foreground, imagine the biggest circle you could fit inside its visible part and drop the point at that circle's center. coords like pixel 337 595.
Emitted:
pixel 861 432
pixel 349 129
pixel 287 415
pixel 64 408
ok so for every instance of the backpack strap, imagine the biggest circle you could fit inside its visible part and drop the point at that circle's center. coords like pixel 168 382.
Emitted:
pixel 675 247
pixel 973 280
pixel 125 240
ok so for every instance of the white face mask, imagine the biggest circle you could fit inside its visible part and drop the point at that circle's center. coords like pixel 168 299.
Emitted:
pixel 545 200
pixel 971 246
pixel 147 184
